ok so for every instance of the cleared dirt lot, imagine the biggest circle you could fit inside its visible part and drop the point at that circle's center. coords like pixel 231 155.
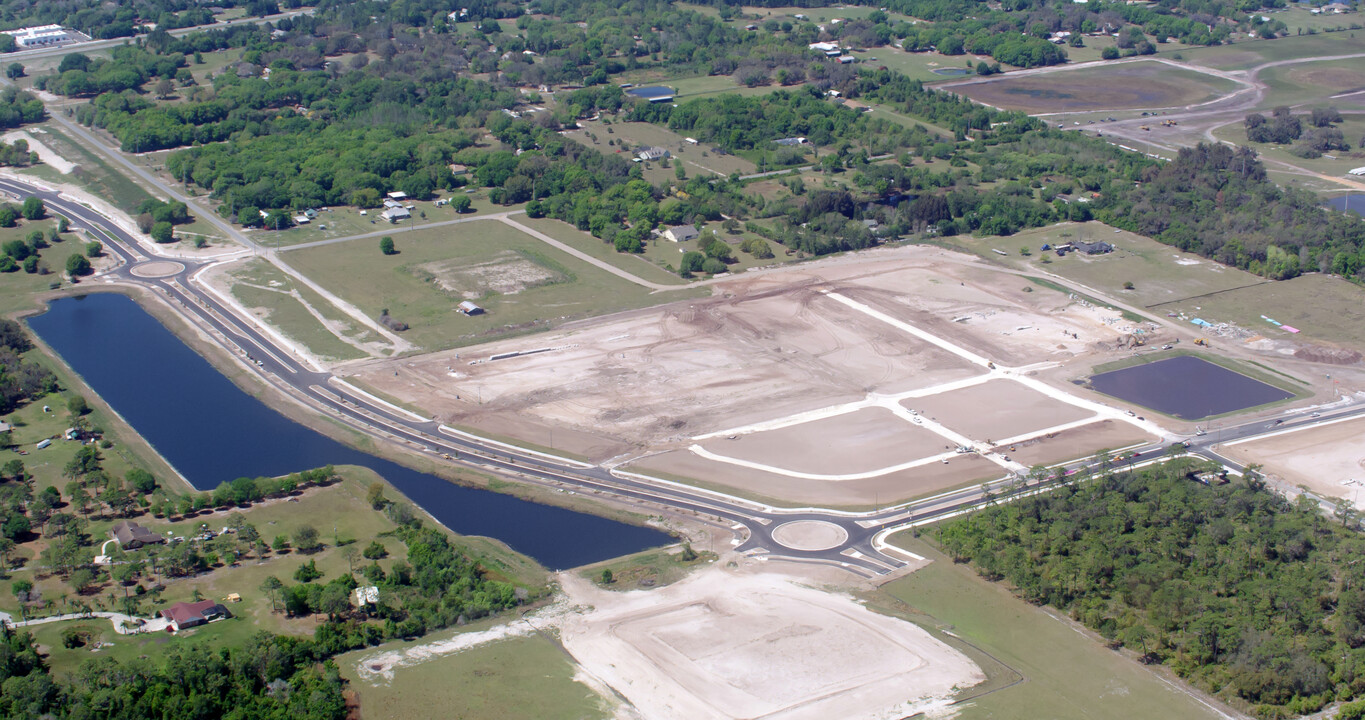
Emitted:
pixel 997 409
pixel 1329 460
pixel 881 438
pixel 723 644
pixel 1078 442
pixel 880 490
pixel 803 365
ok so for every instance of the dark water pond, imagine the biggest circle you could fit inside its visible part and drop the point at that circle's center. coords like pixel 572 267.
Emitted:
pixel 212 431
pixel 1187 387
pixel 951 71
pixel 1355 202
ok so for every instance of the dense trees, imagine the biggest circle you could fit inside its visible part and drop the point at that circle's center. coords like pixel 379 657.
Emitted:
pixel 1234 587
pixel 20 380
pixel 1218 202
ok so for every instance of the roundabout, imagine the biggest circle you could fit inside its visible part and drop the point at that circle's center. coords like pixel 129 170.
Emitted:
pixel 157 269
pixel 810 535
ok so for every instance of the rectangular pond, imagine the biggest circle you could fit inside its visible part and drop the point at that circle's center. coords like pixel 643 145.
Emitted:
pixel 1187 387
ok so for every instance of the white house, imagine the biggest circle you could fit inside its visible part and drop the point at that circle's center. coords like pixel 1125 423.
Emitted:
pixel 681 233
pixel 394 214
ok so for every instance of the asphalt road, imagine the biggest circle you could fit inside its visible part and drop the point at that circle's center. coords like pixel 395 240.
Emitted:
pixel 861 552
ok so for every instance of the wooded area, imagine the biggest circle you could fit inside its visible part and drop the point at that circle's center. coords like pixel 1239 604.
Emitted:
pixel 1245 594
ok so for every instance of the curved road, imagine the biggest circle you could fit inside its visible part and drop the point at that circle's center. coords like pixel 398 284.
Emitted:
pixel 849 539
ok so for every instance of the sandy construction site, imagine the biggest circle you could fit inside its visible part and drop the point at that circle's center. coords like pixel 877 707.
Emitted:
pixel 1328 460
pixel 888 375
pixel 723 644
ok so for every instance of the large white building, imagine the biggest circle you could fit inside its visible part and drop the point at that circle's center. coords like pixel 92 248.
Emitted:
pixel 41 36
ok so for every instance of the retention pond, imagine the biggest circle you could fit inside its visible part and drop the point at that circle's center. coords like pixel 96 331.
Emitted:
pixel 1187 387
pixel 212 431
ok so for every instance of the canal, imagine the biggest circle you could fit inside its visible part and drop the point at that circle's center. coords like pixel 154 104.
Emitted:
pixel 212 432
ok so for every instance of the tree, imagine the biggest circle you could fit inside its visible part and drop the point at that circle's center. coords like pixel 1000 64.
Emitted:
pixel 1110 53
pixel 163 232
pixel 306 539
pixel 375 551
pixel 335 600
pixel 273 589
pixel 81 580
pixel 461 204
pixel 14 71
pixel 164 86
pixel 141 480
pixel 94 249
pixel 77 406
pixel 77 265
pixel 386 246
pixel 375 495
pixel 607 578
pixel 33 208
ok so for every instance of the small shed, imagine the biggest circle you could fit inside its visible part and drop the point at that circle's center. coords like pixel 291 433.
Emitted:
pixel 469 308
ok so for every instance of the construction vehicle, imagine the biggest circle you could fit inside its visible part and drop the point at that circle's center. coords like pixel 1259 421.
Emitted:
pixel 1201 341
pixel 1144 127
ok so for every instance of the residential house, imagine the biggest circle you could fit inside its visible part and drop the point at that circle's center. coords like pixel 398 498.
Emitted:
pixel 394 214
pixel 652 153
pixel 130 536
pixel 187 615
pixel 681 233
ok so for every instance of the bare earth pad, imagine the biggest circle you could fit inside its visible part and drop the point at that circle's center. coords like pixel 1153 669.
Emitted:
pixel 722 645
pixel 997 409
pixel 881 438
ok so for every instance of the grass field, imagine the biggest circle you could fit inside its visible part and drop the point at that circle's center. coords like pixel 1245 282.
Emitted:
pixel 1313 82
pixel 92 172
pixel 518 678
pixel 636 265
pixel 1323 307
pixel 651 568
pixel 522 283
pixel 1142 84
pixel 1250 53
pixel 1066 672
pixel 1334 163
pixel 1159 273
pixel 696 159
pixel 286 305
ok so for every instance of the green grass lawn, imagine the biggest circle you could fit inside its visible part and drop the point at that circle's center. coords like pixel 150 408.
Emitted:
pixel 125 648
pixel 1066 672
pixel 522 283
pixel 529 678
pixel 636 265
